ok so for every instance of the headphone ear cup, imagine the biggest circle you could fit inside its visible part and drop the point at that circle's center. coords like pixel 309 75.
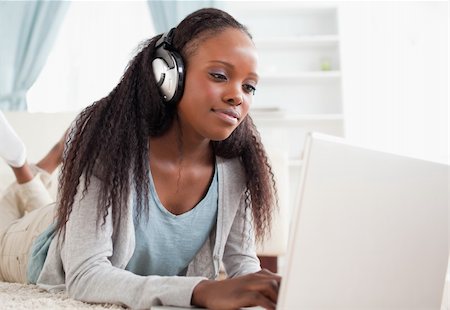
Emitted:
pixel 167 79
pixel 168 69
pixel 159 71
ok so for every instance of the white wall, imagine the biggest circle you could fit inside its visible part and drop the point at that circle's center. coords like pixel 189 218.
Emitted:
pixel 395 76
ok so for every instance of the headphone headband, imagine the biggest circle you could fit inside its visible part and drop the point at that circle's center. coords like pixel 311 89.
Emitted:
pixel 164 44
pixel 166 39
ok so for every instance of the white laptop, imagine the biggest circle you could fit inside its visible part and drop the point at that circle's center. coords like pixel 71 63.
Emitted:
pixel 370 231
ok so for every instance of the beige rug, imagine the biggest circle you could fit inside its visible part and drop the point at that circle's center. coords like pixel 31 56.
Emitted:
pixel 14 296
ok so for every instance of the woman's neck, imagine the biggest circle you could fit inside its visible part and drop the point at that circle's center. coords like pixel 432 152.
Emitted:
pixel 178 144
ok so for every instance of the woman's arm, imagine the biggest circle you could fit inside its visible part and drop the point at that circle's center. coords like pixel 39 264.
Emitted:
pixel 248 284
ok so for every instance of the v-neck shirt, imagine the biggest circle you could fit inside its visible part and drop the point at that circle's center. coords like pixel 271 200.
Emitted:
pixel 166 243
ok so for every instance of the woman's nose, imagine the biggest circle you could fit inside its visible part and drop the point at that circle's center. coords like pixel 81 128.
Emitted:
pixel 234 97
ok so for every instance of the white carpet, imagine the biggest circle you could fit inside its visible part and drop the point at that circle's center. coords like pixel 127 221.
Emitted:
pixel 14 296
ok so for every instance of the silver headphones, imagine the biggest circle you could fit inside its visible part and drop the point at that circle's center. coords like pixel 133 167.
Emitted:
pixel 168 69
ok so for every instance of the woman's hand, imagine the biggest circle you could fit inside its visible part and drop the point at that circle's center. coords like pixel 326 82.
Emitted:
pixel 256 289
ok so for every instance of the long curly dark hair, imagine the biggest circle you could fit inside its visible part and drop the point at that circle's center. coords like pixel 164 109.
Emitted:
pixel 110 137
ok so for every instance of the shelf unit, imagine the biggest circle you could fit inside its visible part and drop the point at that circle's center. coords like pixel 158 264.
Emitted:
pixel 299 64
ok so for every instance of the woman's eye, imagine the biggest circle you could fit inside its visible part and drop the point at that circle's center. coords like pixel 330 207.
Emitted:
pixel 249 89
pixel 218 76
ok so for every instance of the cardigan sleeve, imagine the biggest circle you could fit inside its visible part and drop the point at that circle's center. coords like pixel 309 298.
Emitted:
pixel 239 256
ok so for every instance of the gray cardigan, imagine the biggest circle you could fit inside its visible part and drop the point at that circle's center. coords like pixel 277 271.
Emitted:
pixel 90 264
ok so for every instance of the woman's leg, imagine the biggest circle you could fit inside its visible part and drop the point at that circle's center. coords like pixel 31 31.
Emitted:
pixel 16 243
pixel 21 198
pixel 13 151
pixel 23 174
pixel 26 207
pixel 31 191
pixel 26 210
pixel 54 157
pixel 49 163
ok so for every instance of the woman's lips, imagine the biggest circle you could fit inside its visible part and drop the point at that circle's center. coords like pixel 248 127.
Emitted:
pixel 229 115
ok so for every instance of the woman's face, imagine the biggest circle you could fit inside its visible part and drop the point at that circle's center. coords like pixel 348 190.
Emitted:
pixel 219 86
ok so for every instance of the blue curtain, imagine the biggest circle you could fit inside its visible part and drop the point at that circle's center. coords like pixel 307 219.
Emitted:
pixel 167 14
pixel 27 32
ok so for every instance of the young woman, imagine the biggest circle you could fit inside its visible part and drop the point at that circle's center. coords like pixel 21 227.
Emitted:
pixel 165 178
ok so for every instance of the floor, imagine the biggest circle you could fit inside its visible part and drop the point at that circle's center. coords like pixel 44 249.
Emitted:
pixel 15 296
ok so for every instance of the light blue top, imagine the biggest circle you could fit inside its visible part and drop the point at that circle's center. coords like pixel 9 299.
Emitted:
pixel 167 243
pixel 38 253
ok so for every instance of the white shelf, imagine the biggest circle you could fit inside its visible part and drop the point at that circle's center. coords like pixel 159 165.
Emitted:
pixel 286 17
pixel 297 41
pixel 300 76
pixel 283 116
